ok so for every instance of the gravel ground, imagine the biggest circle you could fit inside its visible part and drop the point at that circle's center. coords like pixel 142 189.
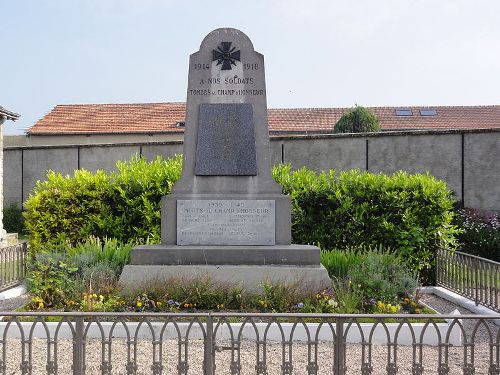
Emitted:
pixel 13 303
pixel 248 358
pixel 274 353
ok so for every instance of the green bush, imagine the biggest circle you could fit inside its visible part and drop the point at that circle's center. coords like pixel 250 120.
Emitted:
pixel 66 272
pixel 375 273
pixel 68 209
pixel 124 205
pixel 50 280
pixel 95 250
pixel 13 220
pixel 357 120
pixel 383 276
pixel 411 214
pixel 137 189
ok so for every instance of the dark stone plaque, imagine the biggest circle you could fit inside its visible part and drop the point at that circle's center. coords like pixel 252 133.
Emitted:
pixel 226 140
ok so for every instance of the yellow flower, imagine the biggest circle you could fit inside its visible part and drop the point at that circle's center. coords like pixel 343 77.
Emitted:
pixel 139 303
pixel 159 303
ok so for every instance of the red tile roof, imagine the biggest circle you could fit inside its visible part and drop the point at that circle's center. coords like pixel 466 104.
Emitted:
pixel 163 117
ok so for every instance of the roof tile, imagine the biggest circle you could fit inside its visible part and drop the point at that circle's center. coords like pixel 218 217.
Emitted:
pixel 163 117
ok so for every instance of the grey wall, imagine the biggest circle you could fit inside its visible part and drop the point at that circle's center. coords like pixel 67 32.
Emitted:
pixel 467 160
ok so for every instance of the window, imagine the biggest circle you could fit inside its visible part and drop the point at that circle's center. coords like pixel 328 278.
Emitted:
pixel 428 112
pixel 404 112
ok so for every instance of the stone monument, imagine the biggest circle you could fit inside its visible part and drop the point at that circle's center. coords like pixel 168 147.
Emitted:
pixel 226 216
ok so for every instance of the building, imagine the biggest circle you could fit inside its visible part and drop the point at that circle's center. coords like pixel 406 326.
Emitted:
pixel 4 116
pixel 116 123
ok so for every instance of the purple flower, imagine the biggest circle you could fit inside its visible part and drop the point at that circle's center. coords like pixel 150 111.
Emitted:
pixel 373 302
pixel 170 302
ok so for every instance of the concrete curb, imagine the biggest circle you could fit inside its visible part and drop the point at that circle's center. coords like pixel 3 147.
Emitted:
pixel 14 292
pixel 461 301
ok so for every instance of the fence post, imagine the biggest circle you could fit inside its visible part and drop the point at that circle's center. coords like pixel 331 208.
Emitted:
pixel 209 352
pixel 339 365
pixel 78 365
pixel 476 281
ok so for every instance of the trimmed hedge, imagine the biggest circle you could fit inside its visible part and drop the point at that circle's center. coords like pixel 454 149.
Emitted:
pixel 124 205
pixel 410 214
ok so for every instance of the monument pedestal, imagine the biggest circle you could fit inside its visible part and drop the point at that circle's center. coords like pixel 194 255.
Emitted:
pixel 249 277
pixel 245 266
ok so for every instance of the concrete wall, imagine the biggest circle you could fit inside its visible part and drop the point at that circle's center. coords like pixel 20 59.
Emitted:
pixel 467 160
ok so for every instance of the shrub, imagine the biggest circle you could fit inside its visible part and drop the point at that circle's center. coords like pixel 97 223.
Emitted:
pixel 95 250
pixel 357 120
pixel 99 278
pixel 68 209
pixel 62 274
pixel 124 205
pixel 50 280
pixel 137 189
pixel 411 214
pixel 13 220
pixel 480 233
pixel 383 276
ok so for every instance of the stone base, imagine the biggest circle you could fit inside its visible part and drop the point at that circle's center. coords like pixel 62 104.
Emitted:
pixel 248 277
pixel 9 239
pixel 297 255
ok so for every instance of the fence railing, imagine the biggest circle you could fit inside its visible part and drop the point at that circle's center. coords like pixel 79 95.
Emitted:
pixel 225 343
pixel 470 276
pixel 12 265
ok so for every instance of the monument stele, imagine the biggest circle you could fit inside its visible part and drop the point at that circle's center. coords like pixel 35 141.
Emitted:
pixel 226 217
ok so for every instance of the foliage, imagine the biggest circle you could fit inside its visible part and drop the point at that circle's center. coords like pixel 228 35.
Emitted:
pixel 13 220
pixel 382 276
pixel 480 233
pixel 124 205
pixel 411 214
pixel 50 280
pixel 137 189
pixel 338 263
pixel 59 277
pixel 357 120
pixel 67 209
pixel 95 250
pixel 350 298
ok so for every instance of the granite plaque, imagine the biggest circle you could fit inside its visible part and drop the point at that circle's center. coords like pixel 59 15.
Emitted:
pixel 226 140
pixel 226 222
